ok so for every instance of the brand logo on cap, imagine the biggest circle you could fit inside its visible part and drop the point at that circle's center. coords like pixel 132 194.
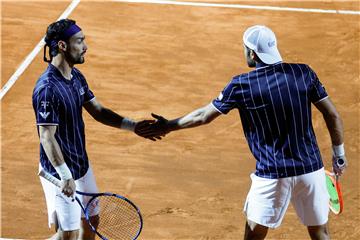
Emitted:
pixel 271 44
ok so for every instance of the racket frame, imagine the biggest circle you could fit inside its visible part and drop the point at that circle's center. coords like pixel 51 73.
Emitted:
pixel 335 181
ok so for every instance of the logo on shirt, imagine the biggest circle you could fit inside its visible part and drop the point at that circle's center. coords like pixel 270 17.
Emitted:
pixel 82 91
pixel 220 97
pixel 44 115
pixel 44 104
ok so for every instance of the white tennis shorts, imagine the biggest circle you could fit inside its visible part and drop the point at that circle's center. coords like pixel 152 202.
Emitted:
pixel 61 209
pixel 268 199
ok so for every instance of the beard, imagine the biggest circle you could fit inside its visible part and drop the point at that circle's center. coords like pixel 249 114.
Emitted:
pixel 81 60
pixel 74 59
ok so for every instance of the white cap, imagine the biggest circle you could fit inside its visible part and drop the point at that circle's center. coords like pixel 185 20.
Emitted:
pixel 263 41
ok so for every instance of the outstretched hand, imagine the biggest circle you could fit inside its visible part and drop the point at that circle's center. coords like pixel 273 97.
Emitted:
pixel 151 129
pixel 161 126
pixel 143 129
pixel 161 123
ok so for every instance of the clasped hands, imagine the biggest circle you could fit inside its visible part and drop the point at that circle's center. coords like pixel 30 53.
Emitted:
pixel 152 129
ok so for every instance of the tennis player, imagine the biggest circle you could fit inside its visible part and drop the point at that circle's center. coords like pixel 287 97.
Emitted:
pixel 274 102
pixel 58 98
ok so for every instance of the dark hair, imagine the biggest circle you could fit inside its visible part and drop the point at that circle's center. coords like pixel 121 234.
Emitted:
pixel 54 34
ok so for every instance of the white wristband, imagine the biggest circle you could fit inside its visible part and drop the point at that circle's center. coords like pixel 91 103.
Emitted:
pixel 339 150
pixel 128 124
pixel 63 171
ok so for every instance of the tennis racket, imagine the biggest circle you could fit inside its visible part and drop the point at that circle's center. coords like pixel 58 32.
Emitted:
pixel 119 218
pixel 336 203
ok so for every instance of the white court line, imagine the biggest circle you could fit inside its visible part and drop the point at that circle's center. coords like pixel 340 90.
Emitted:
pixel 240 6
pixel 33 53
pixel 11 239
pixel 74 3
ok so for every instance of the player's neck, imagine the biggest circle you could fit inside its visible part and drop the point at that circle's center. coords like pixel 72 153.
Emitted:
pixel 63 66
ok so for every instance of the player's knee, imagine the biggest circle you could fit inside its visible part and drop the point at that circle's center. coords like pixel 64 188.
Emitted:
pixel 86 233
pixel 319 232
pixel 254 231
pixel 68 235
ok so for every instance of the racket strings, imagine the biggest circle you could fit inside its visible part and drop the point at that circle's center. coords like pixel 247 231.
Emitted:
pixel 118 218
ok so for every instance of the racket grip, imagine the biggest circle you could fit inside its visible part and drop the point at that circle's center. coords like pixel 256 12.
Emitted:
pixel 340 163
pixel 50 178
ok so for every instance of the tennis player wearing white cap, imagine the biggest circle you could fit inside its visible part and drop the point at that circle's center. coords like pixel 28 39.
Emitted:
pixel 274 102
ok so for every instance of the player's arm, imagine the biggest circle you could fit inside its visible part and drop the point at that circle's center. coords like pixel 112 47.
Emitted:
pixel 110 118
pixel 335 127
pixel 332 119
pixel 106 116
pixel 54 154
pixel 196 118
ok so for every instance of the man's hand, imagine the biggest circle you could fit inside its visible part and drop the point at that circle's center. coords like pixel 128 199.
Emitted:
pixel 147 129
pixel 68 187
pixel 339 165
pixel 161 125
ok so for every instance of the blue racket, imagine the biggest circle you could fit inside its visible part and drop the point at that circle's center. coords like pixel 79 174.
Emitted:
pixel 120 219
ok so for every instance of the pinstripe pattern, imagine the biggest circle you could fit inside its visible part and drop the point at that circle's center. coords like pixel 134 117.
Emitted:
pixel 57 101
pixel 274 102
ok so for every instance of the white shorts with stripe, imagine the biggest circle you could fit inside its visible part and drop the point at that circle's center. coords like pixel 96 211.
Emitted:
pixel 268 199
pixel 61 209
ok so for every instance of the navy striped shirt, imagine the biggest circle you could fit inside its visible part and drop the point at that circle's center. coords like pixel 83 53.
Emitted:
pixel 57 101
pixel 274 102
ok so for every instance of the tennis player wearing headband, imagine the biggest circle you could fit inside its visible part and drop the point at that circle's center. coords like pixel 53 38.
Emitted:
pixel 58 98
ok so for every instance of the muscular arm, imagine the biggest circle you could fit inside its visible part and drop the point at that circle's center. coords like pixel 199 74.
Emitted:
pixel 50 145
pixel 110 118
pixel 335 127
pixel 55 156
pixel 196 118
pixel 102 114
pixel 333 121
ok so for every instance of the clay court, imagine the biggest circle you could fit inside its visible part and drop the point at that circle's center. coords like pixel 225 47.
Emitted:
pixel 171 59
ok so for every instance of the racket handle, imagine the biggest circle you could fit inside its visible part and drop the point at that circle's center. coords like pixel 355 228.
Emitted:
pixel 50 178
pixel 340 163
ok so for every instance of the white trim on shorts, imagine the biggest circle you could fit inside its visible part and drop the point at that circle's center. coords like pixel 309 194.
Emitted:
pixel 61 209
pixel 268 199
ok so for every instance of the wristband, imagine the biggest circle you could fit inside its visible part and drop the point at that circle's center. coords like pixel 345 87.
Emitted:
pixel 128 124
pixel 63 171
pixel 339 150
